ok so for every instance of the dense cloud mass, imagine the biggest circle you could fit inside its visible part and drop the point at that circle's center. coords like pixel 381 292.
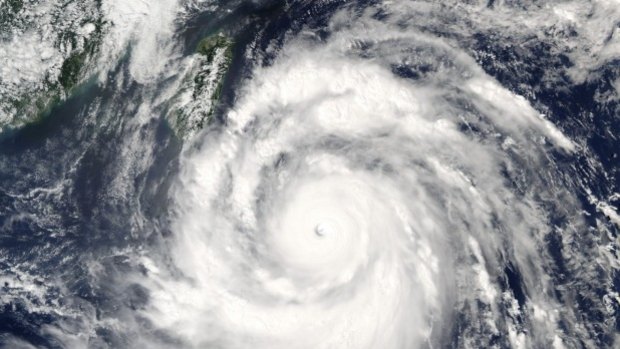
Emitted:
pixel 391 174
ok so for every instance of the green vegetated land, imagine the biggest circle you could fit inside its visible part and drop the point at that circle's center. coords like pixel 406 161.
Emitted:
pixel 9 10
pixel 30 105
pixel 72 69
pixel 201 90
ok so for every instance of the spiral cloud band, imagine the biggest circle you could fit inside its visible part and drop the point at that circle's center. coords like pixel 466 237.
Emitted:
pixel 344 206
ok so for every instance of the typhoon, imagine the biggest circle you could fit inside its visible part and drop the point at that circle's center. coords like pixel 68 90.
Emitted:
pixel 309 174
